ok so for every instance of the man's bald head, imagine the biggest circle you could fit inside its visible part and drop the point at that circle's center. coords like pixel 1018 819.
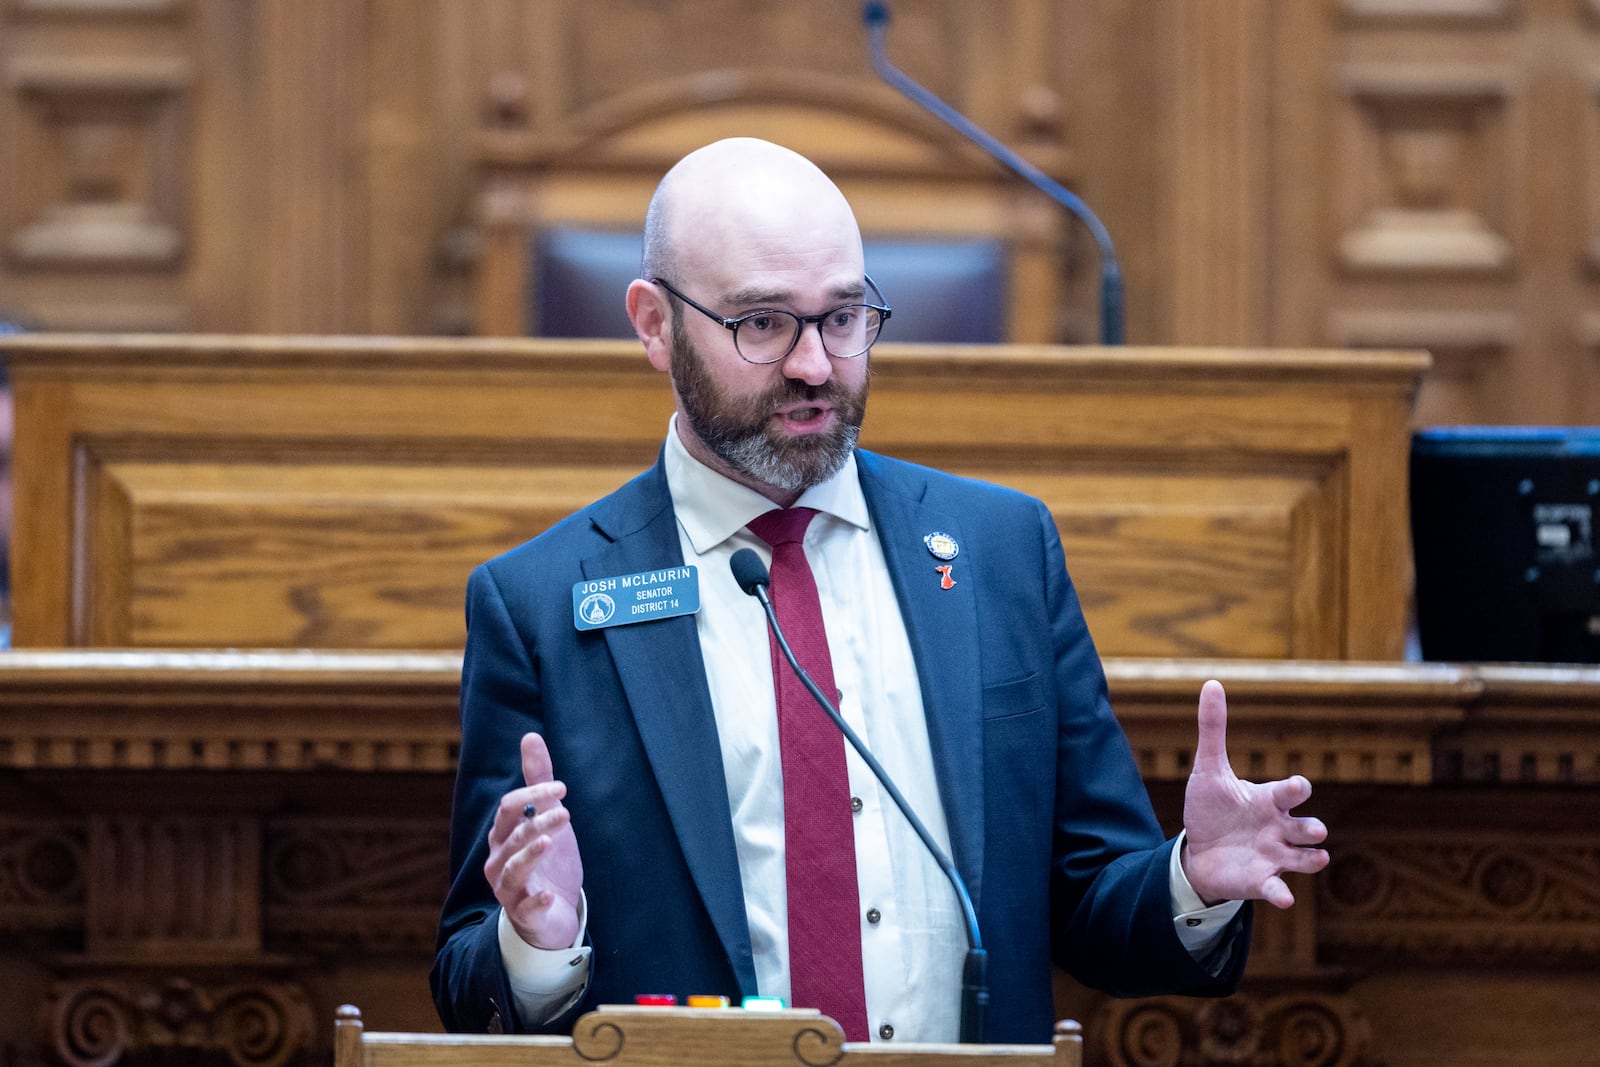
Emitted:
pixel 742 195
pixel 740 227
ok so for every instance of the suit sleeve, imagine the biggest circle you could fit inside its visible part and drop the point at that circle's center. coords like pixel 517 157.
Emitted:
pixel 500 701
pixel 1111 901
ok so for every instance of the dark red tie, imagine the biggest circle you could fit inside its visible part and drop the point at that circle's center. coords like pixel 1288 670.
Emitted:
pixel 819 840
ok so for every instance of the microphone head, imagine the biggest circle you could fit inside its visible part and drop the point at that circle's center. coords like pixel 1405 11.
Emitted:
pixel 748 570
pixel 875 13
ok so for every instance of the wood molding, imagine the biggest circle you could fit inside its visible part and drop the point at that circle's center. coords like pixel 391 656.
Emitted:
pixel 1440 13
pixel 303 712
pixel 668 1036
pixel 99 9
pixel 1399 724
pixel 208 710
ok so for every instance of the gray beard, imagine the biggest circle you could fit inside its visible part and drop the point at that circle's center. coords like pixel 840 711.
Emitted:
pixel 752 455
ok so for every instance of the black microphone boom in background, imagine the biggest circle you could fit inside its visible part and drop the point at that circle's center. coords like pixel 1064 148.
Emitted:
pixel 875 14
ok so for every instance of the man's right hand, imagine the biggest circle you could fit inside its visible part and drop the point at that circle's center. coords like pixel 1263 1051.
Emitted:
pixel 533 864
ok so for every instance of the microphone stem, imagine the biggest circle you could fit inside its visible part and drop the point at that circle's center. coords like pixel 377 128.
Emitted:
pixel 1111 297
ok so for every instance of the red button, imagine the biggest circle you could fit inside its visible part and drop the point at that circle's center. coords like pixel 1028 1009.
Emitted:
pixel 656 1000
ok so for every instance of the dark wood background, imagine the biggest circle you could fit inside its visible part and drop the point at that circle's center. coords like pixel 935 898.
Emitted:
pixel 1324 173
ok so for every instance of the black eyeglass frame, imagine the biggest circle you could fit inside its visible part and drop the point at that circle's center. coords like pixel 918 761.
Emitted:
pixel 732 325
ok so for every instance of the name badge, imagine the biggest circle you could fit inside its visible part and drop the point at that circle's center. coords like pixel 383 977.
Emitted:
pixel 660 594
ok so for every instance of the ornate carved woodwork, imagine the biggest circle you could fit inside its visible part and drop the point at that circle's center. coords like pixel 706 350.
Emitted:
pixel 1435 181
pixel 43 873
pixel 151 1018
pixel 1424 180
pixel 100 162
pixel 110 132
pixel 1291 1028
pixel 203 853
pixel 1531 900
pixel 337 884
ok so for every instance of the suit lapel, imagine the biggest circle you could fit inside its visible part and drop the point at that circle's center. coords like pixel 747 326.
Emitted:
pixel 942 627
pixel 664 680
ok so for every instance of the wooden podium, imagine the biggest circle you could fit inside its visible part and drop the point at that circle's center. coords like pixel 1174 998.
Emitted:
pixel 631 1036
pixel 250 492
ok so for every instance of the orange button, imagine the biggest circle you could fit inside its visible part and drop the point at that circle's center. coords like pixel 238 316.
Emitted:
pixel 706 1000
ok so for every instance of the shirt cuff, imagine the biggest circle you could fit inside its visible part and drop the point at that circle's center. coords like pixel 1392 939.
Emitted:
pixel 545 982
pixel 1200 928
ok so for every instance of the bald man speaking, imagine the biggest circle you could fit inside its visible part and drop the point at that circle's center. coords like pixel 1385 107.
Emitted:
pixel 647 803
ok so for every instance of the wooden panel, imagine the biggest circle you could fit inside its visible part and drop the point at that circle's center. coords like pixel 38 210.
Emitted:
pixel 97 128
pixel 304 552
pixel 1474 355
pixel 1205 563
pixel 1407 211
pixel 109 192
pixel 1217 228
pixel 334 493
pixel 1426 177
pixel 311 263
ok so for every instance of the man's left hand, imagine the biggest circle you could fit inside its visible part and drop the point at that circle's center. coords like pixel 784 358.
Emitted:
pixel 1240 836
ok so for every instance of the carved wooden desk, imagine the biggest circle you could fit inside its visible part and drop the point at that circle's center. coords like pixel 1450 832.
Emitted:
pixel 207 852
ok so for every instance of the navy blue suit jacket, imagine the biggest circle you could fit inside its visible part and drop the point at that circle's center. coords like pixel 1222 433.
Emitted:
pixel 1063 856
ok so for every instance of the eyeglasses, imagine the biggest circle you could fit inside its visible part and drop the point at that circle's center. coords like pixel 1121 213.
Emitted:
pixel 768 335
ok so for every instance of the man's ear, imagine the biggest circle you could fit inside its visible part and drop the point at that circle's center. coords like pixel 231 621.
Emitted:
pixel 652 321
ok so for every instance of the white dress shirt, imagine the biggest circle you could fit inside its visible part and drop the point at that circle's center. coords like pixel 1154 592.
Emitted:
pixel 912 953
pixel 913 940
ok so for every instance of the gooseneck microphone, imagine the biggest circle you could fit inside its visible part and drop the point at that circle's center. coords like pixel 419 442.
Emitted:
pixel 752 576
pixel 875 13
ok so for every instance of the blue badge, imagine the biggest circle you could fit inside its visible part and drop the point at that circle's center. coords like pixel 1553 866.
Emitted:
pixel 659 594
pixel 942 545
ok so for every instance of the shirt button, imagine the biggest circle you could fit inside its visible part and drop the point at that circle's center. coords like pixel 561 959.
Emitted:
pixel 855 805
pixel 1192 922
pixel 873 915
pixel 886 1032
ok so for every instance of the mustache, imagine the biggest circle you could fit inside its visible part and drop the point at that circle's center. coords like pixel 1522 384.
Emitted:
pixel 789 389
